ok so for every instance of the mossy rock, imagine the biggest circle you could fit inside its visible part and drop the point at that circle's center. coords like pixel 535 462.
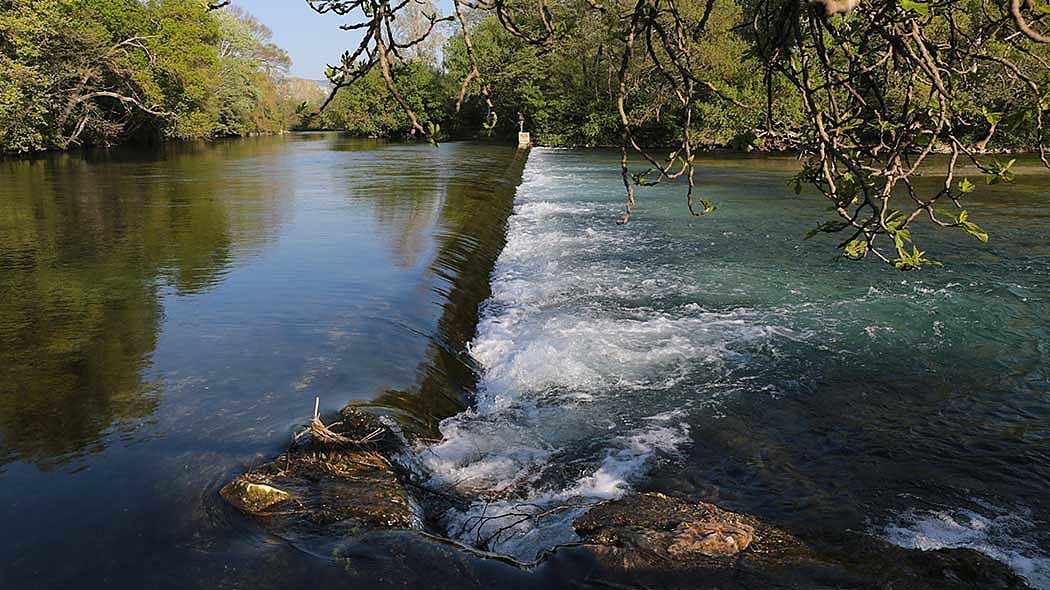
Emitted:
pixel 253 498
pixel 652 528
pixel 338 489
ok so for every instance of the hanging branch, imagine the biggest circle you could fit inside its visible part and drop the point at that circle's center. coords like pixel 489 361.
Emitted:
pixel 474 73
pixel 868 140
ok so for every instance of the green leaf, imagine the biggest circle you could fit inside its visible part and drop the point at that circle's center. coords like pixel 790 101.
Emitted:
pixel 917 7
pixel 856 249
pixel 974 230
pixel 966 187
pixel 1000 172
pixel 913 260
pixel 945 213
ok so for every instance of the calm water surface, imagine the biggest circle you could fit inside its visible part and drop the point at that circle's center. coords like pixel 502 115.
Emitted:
pixel 167 319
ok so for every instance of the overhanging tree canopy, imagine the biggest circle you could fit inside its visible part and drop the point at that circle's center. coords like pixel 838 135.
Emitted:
pixel 883 86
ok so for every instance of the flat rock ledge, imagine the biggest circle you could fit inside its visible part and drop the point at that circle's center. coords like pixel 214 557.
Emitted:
pixel 651 528
pixel 660 541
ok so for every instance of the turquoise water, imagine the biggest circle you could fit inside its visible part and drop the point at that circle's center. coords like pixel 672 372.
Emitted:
pixel 728 360
pixel 167 318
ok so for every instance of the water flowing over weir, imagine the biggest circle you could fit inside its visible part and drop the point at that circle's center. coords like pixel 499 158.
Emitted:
pixel 567 410
pixel 682 357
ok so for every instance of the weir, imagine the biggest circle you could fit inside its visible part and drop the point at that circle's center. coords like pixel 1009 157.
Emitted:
pixel 575 402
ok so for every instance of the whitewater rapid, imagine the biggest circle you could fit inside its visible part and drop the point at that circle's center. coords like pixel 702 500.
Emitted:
pixel 602 347
pixel 582 387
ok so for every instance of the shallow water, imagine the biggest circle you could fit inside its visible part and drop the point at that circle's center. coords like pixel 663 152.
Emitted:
pixel 166 320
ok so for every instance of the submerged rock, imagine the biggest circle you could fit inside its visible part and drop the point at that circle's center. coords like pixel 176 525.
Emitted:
pixel 651 528
pixel 653 539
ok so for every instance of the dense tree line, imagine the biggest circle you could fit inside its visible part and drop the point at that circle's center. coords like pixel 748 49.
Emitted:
pixel 568 90
pixel 100 72
pixel 863 91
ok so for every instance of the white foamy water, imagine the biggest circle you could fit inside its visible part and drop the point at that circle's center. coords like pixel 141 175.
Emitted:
pixel 582 388
pixel 997 533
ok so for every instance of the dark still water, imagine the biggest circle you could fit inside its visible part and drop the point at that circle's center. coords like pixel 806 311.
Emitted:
pixel 166 321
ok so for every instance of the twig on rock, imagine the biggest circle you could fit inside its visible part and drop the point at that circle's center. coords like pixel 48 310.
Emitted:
pixel 324 434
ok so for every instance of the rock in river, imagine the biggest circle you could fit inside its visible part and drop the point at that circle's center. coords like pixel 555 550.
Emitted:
pixel 655 540
pixel 647 529
pixel 334 490
pixel 253 498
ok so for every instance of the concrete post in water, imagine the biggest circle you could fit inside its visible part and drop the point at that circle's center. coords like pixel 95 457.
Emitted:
pixel 524 140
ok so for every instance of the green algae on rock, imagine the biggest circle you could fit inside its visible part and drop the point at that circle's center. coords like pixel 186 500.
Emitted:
pixel 253 498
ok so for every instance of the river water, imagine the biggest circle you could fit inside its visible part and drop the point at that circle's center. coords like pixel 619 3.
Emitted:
pixel 166 320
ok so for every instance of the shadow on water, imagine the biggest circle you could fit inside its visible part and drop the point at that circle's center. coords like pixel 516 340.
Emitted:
pixel 470 239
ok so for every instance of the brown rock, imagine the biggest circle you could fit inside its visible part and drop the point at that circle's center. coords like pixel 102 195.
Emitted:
pixel 710 538
pixel 659 541
pixel 655 526
pixel 358 489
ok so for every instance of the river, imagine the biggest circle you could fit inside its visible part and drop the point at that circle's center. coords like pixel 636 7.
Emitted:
pixel 167 319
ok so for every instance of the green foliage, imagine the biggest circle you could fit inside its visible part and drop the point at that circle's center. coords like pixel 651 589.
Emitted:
pixel 999 171
pixel 99 72
pixel 913 260
pixel 366 108
pixel 856 248
pixel 963 222
pixel 921 8
pixel 568 91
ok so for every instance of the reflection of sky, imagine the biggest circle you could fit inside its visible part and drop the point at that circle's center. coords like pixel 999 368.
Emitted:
pixel 331 307
pixel 330 284
pixel 333 296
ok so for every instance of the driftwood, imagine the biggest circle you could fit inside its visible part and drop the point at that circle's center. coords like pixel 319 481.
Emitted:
pixel 319 432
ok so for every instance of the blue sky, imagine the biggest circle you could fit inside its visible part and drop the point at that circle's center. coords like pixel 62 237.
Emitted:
pixel 312 40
